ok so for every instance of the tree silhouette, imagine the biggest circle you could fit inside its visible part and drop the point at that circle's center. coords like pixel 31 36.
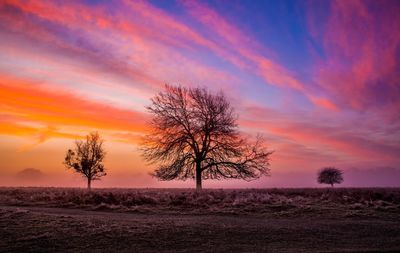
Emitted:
pixel 195 135
pixel 330 175
pixel 87 157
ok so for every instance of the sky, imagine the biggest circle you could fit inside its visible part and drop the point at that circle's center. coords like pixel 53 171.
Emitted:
pixel 319 79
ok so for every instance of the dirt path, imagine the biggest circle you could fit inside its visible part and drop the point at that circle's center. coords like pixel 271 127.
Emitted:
pixel 37 229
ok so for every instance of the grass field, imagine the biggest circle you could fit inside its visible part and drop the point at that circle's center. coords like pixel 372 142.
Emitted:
pixel 177 220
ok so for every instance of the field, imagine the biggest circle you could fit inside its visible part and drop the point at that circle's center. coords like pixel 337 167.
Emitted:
pixel 177 220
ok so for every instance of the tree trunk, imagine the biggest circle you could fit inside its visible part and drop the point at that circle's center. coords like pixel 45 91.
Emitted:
pixel 89 182
pixel 198 177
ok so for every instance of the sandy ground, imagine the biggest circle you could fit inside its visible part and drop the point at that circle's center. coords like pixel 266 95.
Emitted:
pixel 40 229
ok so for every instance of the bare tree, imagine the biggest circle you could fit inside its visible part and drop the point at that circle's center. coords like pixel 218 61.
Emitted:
pixel 87 157
pixel 330 175
pixel 195 135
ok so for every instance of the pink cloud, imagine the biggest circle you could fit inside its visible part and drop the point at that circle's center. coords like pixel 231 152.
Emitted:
pixel 149 57
pixel 319 138
pixel 361 40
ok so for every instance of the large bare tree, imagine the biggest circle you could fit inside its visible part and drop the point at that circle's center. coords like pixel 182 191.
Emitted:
pixel 195 135
pixel 87 157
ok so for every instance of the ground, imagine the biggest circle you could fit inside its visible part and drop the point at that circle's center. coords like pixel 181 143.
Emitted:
pixel 290 221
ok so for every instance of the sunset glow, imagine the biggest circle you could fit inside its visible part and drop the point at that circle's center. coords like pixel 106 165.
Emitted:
pixel 319 79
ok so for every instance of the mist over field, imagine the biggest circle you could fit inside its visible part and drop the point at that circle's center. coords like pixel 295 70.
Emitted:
pixel 377 177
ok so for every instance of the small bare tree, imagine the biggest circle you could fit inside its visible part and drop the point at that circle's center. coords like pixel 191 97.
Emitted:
pixel 195 135
pixel 330 175
pixel 87 157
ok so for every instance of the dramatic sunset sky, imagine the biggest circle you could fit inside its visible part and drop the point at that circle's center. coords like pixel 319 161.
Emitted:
pixel 319 79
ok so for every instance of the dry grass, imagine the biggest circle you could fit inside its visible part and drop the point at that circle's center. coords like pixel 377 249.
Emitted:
pixel 214 201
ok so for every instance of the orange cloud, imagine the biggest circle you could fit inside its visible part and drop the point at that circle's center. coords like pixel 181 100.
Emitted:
pixel 34 110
